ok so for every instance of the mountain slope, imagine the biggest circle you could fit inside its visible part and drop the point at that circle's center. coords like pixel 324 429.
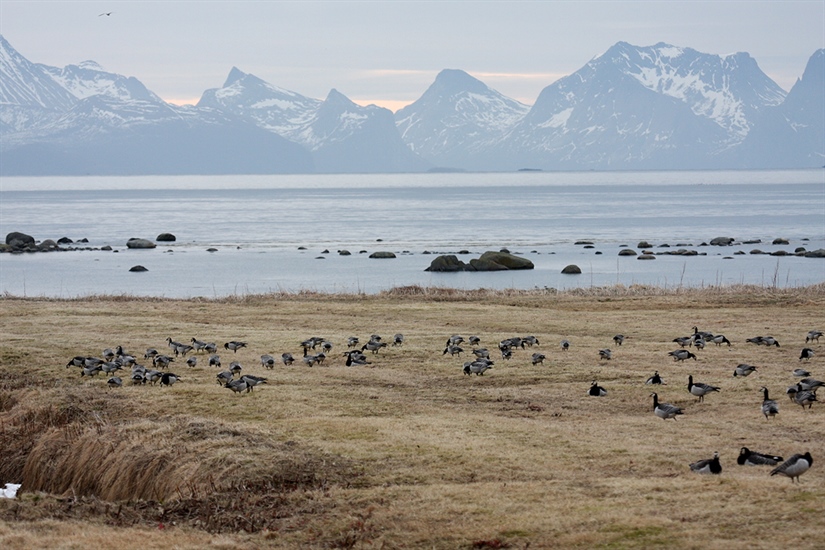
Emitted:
pixel 457 118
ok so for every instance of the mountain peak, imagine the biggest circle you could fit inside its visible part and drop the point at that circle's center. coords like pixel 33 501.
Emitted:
pixel 234 75
pixel 458 80
pixel 334 97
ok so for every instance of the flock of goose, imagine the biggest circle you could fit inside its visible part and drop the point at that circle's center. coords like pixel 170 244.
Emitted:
pixel 802 393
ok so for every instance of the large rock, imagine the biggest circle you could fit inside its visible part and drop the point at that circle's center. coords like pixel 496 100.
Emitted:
pixel 448 263
pixel 572 269
pixel 507 260
pixel 722 241
pixel 820 253
pixel 140 243
pixel 627 252
pixel 166 238
pixel 19 240
pixel 381 254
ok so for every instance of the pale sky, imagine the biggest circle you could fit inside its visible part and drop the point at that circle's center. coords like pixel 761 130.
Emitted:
pixel 388 52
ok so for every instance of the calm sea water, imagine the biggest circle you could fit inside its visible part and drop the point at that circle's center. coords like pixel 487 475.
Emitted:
pixel 258 224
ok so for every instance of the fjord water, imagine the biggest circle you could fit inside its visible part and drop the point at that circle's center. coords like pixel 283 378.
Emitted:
pixel 271 232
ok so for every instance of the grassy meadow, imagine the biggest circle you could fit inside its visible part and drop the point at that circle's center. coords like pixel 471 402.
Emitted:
pixel 409 452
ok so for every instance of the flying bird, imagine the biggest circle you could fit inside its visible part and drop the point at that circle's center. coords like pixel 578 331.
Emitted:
pixel 106 13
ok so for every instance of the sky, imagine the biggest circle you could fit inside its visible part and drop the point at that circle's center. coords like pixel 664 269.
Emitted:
pixel 388 52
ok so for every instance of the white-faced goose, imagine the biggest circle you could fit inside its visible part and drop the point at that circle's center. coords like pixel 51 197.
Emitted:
pixel 752 458
pixel 664 410
pixel 684 341
pixel 352 342
pixel 682 355
pixel 813 335
pixel 699 389
pixel 199 345
pixel 769 407
pixel 530 341
pixel 235 368
pixel 605 354
pixel 707 466
pixel 252 381
pixel 398 340
pixel 214 361
pixel 804 397
pixel 115 382
pixel 237 386
pixel 477 367
pixel 720 339
pixel 806 354
pixel 287 358
pixel 168 378
pixel 801 373
pixel 565 345
pixel 655 379
pixel 538 358
pixel 743 369
pixel 267 361
pixel 192 361
pixel 474 340
pixel 596 390
pixel 795 466
pixel 452 350
pixel 234 345
pixel 619 339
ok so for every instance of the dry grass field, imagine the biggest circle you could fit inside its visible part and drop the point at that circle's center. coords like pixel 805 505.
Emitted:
pixel 408 452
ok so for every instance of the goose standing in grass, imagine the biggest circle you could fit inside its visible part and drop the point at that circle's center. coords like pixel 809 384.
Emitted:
pixel 108 354
pixel 655 379
pixel 252 381
pixel 813 335
pixel 76 361
pixel 224 377
pixel 801 373
pixel 192 361
pixel 699 389
pixel 682 355
pixel 664 410
pixel 453 350
pixel 804 397
pixel 162 361
pixel 326 346
pixel 356 358
pixel 811 383
pixel 769 407
pixel 214 360
pixel 701 334
pixel 115 382
pixel 92 371
pixel 699 343
pixel 454 340
pixel 481 353
pixel 596 390
pixel 477 367
pixel 287 358
pixel 110 367
pixel 619 339
pixel 538 358
pixel 234 345
pixel 211 347
pixel 720 339
pixel 806 354
pixel 565 345
pixel 199 345
pixel 152 376
pixel 352 342
pixel 150 353
pixel 309 359
pixel 267 361
pixel 235 368
pixel 795 466
pixel 237 386
pixel 530 341
pixel 707 466
pixel 605 354
pixel 168 378
pixel 743 369
pixel 376 345
pixel 684 341
pixel 398 340
pixel 752 458
pixel 474 340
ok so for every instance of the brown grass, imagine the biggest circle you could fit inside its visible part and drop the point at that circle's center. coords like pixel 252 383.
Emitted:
pixel 409 452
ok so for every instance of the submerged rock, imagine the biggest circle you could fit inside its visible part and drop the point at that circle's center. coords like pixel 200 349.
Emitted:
pixel 140 243
pixel 572 269
pixel 722 241
pixel 382 254
pixel 166 238
pixel 138 269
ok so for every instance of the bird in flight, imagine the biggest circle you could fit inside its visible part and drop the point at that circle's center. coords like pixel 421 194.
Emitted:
pixel 107 14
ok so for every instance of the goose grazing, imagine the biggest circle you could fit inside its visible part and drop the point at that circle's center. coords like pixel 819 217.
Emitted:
pixel 743 369
pixel 287 358
pixel 115 382
pixel 684 341
pixel 352 342
pixel 309 360
pixel 215 361
pixel 267 361
pixel 530 341
pixel 506 353
pixel 474 340
pixel 804 397
pixel 356 358
pixel 199 345
pixel 192 361
pixel 699 343
pixel 538 358
pixel 138 379
pixel 224 377
pixel 168 378
pixel 769 406
pixel 699 389
pixel 811 383
pixel 707 466
pixel 720 339
pixel 605 354
pixel 682 355
pixel 813 335
pixel 234 345
pixel 769 341
pixel 795 466
pixel 664 410
pixel 565 345
pixel 110 367
pixel 152 376
pixel 237 386
pixel 596 390
pixel 477 367
pixel 76 361
pixel 326 346
pixel 375 346
pixel 109 354
pixel 481 353
pixel 453 350
pixel 619 338
pixel 91 371
pixel 752 458
pixel 252 381
pixel 454 340
pixel 801 373
pixel 806 354
pixel 162 361
pixel 150 353
pixel 398 340
pixel 211 347
pixel 655 379
pixel 320 358
pixel 235 368
pixel 701 334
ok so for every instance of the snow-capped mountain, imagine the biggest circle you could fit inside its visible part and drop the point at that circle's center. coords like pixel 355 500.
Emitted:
pixel 457 118
pixel 280 111
pixel 791 135
pixel 643 107
pixel 346 137
pixel 84 120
